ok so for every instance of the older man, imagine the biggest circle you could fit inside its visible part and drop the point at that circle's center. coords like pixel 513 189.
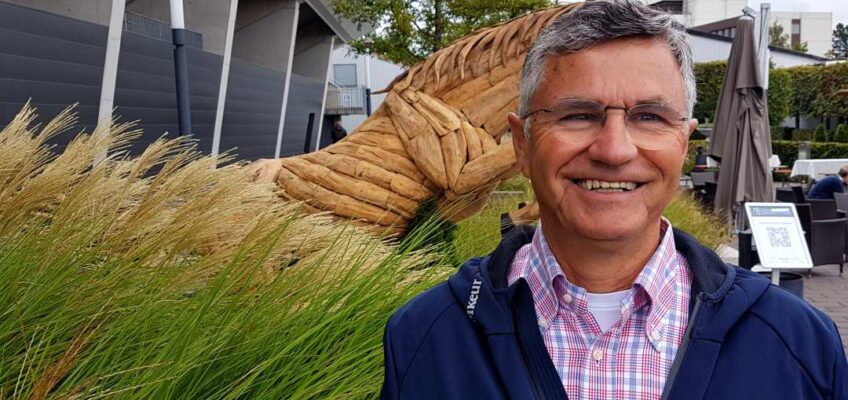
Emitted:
pixel 605 300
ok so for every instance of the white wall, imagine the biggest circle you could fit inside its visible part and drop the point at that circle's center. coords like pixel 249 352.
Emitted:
pixel 815 28
pixel 706 49
pixel 382 73
pixel 706 11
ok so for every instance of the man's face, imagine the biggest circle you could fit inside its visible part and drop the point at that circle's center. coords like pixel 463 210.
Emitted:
pixel 619 73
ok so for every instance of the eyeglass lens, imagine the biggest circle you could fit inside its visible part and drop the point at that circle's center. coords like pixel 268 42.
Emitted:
pixel 648 126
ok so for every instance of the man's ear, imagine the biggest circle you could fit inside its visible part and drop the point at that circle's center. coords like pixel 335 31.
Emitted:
pixel 691 125
pixel 520 143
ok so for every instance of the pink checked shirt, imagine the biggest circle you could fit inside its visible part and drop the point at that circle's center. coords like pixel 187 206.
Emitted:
pixel 632 359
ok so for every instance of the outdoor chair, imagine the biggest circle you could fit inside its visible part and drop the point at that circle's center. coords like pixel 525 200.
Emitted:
pixel 709 194
pixel 841 200
pixel 785 195
pixel 828 243
pixel 822 208
pixel 800 197
pixel 699 179
pixel 806 219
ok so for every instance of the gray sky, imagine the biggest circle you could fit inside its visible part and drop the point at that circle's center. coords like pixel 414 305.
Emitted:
pixel 839 8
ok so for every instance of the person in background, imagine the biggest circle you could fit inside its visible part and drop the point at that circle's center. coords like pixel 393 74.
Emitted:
pixel 338 132
pixel 825 188
pixel 700 159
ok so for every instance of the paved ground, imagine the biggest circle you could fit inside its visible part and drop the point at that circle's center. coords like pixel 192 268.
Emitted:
pixel 824 289
pixel 828 291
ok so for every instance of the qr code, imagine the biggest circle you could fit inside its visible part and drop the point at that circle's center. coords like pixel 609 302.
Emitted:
pixel 778 236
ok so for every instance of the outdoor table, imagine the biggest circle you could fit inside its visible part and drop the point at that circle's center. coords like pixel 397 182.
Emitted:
pixel 818 168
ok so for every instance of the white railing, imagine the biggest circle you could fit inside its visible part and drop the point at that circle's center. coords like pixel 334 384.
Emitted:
pixel 153 28
pixel 345 100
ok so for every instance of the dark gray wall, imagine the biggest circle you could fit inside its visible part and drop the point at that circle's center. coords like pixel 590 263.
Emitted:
pixel 146 90
pixel 305 96
pixel 52 60
pixel 252 110
pixel 57 61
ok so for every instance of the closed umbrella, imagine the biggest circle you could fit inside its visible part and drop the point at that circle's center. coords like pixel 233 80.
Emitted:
pixel 741 136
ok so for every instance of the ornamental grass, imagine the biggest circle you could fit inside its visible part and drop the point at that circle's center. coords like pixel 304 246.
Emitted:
pixel 480 233
pixel 167 275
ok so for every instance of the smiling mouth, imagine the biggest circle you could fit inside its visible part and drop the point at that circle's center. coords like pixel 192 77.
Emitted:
pixel 606 186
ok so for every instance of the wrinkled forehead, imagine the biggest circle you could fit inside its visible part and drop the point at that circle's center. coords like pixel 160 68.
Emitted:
pixel 628 70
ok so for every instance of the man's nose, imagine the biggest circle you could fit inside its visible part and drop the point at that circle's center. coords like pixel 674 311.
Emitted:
pixel 612 144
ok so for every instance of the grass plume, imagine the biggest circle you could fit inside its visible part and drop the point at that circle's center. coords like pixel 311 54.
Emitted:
pixel 188 282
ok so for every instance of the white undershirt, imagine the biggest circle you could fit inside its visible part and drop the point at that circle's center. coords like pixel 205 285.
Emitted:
pixel 606 307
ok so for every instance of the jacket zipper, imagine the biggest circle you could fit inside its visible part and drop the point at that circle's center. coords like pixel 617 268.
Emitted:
pixel 538 393
pixel 537 387
pixel 681 351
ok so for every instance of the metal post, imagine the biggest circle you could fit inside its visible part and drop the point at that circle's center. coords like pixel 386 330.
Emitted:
pixel 181 67
pixel 368 101
pixel 309 124
pixel 110 73
pixel 368 44
pixel 775 276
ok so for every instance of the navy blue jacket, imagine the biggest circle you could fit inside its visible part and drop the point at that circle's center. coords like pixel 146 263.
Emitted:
pixel 825 188
pixel 474 337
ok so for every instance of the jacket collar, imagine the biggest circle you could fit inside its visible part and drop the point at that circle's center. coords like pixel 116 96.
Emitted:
pixel 481 283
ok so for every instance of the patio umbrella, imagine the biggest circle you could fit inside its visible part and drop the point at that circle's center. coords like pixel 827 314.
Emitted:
pixel 741 130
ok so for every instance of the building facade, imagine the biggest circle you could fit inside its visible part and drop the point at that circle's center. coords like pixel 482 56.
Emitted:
pixel 258 69
pixel 719 17
pixel 355 73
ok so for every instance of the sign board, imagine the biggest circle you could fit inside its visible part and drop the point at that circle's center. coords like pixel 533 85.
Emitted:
pixel 778 235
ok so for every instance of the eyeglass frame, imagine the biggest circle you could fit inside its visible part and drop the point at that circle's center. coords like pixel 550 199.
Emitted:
pixel 682 120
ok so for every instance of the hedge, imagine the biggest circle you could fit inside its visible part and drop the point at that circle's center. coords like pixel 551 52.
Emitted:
pixel 709 78
pixel 787 150
pixel 804 91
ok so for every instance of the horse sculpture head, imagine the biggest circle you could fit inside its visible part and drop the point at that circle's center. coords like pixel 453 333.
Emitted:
pixel 440 133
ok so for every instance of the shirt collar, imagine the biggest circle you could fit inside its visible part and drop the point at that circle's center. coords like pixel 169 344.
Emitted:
pixel 652 287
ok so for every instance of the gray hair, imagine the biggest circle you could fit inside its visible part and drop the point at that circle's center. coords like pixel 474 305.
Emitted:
pixel 597 21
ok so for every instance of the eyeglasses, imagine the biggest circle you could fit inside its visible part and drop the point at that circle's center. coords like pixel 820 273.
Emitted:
pixel 652 126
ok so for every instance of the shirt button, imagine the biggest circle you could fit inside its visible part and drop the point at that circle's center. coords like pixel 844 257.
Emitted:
pixel 543 323
pixel 566 298
pixel 597 355
pixel 656 334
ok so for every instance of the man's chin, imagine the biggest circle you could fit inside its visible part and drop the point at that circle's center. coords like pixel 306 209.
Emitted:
pixel 609 227
pixel 608 234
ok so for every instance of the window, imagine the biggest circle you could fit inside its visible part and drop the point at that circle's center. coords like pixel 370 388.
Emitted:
pixel 344 74
pixel 795 41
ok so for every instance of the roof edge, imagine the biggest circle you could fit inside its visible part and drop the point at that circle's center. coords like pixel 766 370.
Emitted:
pixel 343 28
pixel 694 32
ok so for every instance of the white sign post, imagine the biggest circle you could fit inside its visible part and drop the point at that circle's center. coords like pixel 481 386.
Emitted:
pixel 779 237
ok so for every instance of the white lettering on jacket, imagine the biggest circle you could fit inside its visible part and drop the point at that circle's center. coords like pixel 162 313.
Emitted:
pixel 472 299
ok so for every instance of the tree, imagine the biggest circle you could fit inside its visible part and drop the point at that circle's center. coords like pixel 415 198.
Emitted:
pixel 777 37
pixel 840 41
pixel 779 95
pixel 841 134
pixel 802 47
pixel 820 133
pixel 407 32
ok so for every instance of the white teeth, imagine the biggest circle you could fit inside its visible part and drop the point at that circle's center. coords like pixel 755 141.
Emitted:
pixel 605 186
